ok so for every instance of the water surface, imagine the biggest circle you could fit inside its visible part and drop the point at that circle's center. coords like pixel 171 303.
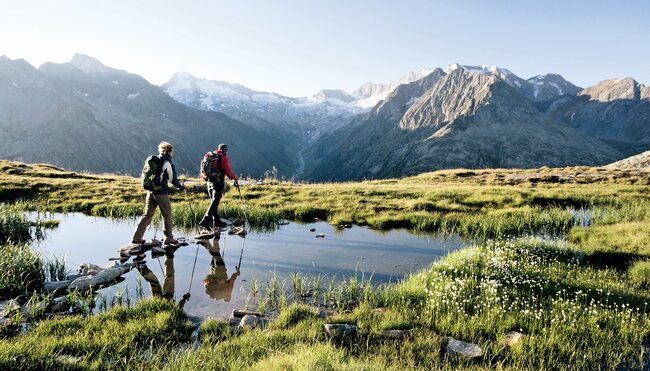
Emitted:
pixel 217 288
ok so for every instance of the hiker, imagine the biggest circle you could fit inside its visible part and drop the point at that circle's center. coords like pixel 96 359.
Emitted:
pixel 166 291
pixel 158 171
pixel 217 284
pixel 214 167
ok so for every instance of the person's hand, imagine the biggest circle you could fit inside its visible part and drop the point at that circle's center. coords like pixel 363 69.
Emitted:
pixel 186 296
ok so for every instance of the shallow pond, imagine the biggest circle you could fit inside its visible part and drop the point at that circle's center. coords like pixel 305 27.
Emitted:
pixel 216 289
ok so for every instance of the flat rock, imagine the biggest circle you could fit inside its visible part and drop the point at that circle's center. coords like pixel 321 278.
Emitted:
pixel 249 321
pixel 512 338
pixel 204 236
pixel 238 231
pixel 320 235
pixel 341 329
pixel 457 348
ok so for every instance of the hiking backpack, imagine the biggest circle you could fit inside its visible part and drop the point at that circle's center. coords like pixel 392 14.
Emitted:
pixel 210 169
pixel 152 174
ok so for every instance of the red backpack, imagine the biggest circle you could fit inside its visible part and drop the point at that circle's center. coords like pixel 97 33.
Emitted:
pixel 210 169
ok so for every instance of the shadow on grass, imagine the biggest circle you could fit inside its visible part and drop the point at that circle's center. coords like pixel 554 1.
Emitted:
pixel 620 261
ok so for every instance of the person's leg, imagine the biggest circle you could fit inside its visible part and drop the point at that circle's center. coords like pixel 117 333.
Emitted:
pixel 166 211
pixel 150 209
pixel 209 216
pixel 168 283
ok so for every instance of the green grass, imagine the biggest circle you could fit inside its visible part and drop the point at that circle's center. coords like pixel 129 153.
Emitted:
pixel 581 302
pixel 116 339
pixel 473 204
pixel 21 269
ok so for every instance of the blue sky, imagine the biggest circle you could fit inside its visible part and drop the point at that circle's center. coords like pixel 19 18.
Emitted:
pixel 299 47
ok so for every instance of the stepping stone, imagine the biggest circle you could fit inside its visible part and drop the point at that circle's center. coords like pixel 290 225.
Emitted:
pixel 204 236
pixel 312 229
pixel 239 231
pixel 157 252
pixel 320 235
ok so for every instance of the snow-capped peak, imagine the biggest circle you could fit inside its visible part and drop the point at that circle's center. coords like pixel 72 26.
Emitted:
pixel 482 69
pixel 369 94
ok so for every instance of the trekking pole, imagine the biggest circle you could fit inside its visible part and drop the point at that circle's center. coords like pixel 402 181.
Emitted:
pixel 189 290
pixel 190 205
pixel 243 207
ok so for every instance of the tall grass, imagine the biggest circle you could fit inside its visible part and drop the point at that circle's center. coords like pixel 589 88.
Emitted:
pixel 21 269
pixel 14 227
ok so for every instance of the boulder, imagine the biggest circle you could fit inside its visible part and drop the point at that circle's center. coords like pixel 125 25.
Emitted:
pixel 249 321
pixel 457 348
pixel 512 338
pixel 341 329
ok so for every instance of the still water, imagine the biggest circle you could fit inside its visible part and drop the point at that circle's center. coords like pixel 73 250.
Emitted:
pixel 217 287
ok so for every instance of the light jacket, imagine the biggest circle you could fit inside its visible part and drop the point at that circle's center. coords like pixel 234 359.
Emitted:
pixel 168 174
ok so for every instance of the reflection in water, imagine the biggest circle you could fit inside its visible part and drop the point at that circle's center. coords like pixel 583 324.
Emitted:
pixel 166 291
pixel 217 284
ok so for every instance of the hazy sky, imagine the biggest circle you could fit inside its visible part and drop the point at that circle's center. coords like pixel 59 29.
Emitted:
pixel 299 47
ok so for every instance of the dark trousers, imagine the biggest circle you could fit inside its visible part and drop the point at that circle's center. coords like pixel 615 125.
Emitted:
pixel 211 217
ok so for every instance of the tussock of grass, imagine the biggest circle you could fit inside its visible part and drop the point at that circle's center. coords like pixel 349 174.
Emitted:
pixel 640 274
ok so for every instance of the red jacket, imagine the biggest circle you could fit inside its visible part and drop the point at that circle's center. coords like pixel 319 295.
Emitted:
pixel 225 165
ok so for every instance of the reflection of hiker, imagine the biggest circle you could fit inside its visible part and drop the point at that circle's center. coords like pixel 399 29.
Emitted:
pixel 157 172
pixel 217 284
pixel 167 289
pixel 214 167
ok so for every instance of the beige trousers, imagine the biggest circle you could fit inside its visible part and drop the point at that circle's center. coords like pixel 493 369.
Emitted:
pixel 153 201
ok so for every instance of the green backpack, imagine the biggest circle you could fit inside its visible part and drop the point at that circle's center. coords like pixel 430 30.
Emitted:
pixel 151 174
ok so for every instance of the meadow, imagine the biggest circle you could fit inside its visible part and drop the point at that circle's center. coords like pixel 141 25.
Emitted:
pixel 561 256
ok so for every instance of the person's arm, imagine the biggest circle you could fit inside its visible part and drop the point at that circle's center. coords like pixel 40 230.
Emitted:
pixel 171 174
pixel 225 165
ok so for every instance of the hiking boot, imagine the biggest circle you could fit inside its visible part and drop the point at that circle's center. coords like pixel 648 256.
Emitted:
pixel 220 224
pixel 139 242
pixel 173 241
pixel 206 226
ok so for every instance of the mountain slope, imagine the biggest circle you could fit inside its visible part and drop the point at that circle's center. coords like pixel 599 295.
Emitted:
pixel 85 116
pixel 640 161
pixel 464 119
pixel 616 111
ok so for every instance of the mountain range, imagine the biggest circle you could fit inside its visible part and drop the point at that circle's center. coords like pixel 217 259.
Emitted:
pixel 83 115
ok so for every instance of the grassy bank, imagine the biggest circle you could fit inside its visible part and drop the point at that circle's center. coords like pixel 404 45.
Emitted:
pixel 473 204
pixel 572 314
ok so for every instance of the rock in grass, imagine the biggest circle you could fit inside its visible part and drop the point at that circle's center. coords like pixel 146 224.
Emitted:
pixel 249 321
pixel 240 313
pixel 457 348
pixel 396 334
pixel 341 329
pixel 512 338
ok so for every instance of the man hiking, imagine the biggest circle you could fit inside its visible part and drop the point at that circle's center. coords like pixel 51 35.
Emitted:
pixel 157 172
pixel 214 167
